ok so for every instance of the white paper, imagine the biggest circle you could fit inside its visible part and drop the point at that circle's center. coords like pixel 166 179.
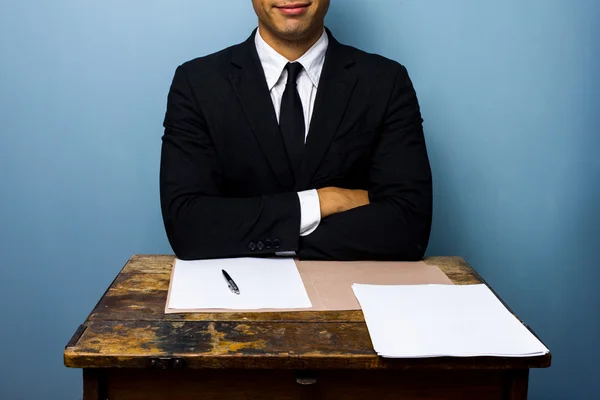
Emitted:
pixel 442 320
pixel 263 283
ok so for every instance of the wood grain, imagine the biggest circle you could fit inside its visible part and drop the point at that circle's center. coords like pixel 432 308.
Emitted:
pixel 264 345
pixel 128 329
pixel 140 292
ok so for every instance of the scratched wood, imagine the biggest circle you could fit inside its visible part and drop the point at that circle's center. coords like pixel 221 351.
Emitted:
pixel 128 328
pixel 262 345
pixel 140 292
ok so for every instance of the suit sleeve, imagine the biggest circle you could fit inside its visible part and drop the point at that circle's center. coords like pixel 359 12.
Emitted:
pixel 200 222
pixel 397 223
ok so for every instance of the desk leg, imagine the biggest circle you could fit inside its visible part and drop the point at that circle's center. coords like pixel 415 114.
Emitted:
pixel 94 384
pixel 516 385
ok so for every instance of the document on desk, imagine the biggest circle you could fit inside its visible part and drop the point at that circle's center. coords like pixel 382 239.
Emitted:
pixel 272 283
pixel 442 320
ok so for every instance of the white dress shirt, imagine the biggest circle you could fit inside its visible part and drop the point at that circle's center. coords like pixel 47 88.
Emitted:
pixel 273 65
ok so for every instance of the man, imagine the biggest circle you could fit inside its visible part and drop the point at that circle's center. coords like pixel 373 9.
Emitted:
pixel 292 143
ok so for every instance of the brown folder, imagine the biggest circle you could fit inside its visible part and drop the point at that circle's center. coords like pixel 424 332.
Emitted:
pixel 329 283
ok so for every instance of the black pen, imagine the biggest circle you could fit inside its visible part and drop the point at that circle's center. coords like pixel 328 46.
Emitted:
pixel 232 286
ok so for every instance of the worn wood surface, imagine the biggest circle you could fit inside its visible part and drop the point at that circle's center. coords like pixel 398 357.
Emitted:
pixel 128 329
pixel 283 384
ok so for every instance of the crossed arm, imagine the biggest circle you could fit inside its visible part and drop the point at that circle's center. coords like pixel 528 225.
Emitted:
pixel 390 220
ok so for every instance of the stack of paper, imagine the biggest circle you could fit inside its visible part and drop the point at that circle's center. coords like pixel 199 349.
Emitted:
pixel 442 320
pixel 263 283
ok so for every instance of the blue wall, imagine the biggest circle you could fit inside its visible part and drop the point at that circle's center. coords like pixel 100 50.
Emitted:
pixel 510 94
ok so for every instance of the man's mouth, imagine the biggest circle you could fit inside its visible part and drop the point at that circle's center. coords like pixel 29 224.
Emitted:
pixel 293 8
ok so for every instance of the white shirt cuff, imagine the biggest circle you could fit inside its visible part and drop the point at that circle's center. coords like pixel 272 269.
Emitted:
pixel 310 211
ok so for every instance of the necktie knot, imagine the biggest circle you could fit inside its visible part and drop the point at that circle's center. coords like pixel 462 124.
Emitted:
pixel 293 70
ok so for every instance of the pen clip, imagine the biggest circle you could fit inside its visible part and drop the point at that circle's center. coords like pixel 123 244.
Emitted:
pixel 230 283
pixel 233 288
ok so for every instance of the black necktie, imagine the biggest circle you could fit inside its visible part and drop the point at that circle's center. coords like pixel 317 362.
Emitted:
pixel 291 118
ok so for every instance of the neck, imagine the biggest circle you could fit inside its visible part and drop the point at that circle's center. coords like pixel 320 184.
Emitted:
pixel 290 49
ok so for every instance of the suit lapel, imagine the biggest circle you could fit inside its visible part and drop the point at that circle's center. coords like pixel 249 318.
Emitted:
pixel 336 84
pixel 249 82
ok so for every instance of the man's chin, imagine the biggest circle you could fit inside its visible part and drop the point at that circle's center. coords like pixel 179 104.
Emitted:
pixel 293 33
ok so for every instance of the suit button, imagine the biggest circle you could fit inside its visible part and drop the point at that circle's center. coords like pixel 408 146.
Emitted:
pixel 276 243
pixel 268 243
pixel 260 246
pixel 252 246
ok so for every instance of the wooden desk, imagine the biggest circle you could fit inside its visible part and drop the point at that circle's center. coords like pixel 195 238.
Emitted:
pixel 129 349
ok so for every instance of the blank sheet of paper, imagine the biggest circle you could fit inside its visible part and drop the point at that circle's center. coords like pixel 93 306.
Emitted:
pixel 442 320
pixel 263 283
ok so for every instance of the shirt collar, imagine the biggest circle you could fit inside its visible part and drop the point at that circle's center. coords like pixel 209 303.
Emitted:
pixel 273 63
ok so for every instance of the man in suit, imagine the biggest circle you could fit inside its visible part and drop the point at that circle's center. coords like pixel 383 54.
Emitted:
pixel 292 143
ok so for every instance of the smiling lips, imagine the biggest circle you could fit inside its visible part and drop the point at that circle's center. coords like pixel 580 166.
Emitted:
pixel 293 9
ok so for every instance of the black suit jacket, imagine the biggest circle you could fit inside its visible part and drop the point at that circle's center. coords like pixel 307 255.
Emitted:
pixel 226 185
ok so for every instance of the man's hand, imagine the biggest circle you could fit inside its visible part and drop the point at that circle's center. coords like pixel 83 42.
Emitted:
pixel 335 200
